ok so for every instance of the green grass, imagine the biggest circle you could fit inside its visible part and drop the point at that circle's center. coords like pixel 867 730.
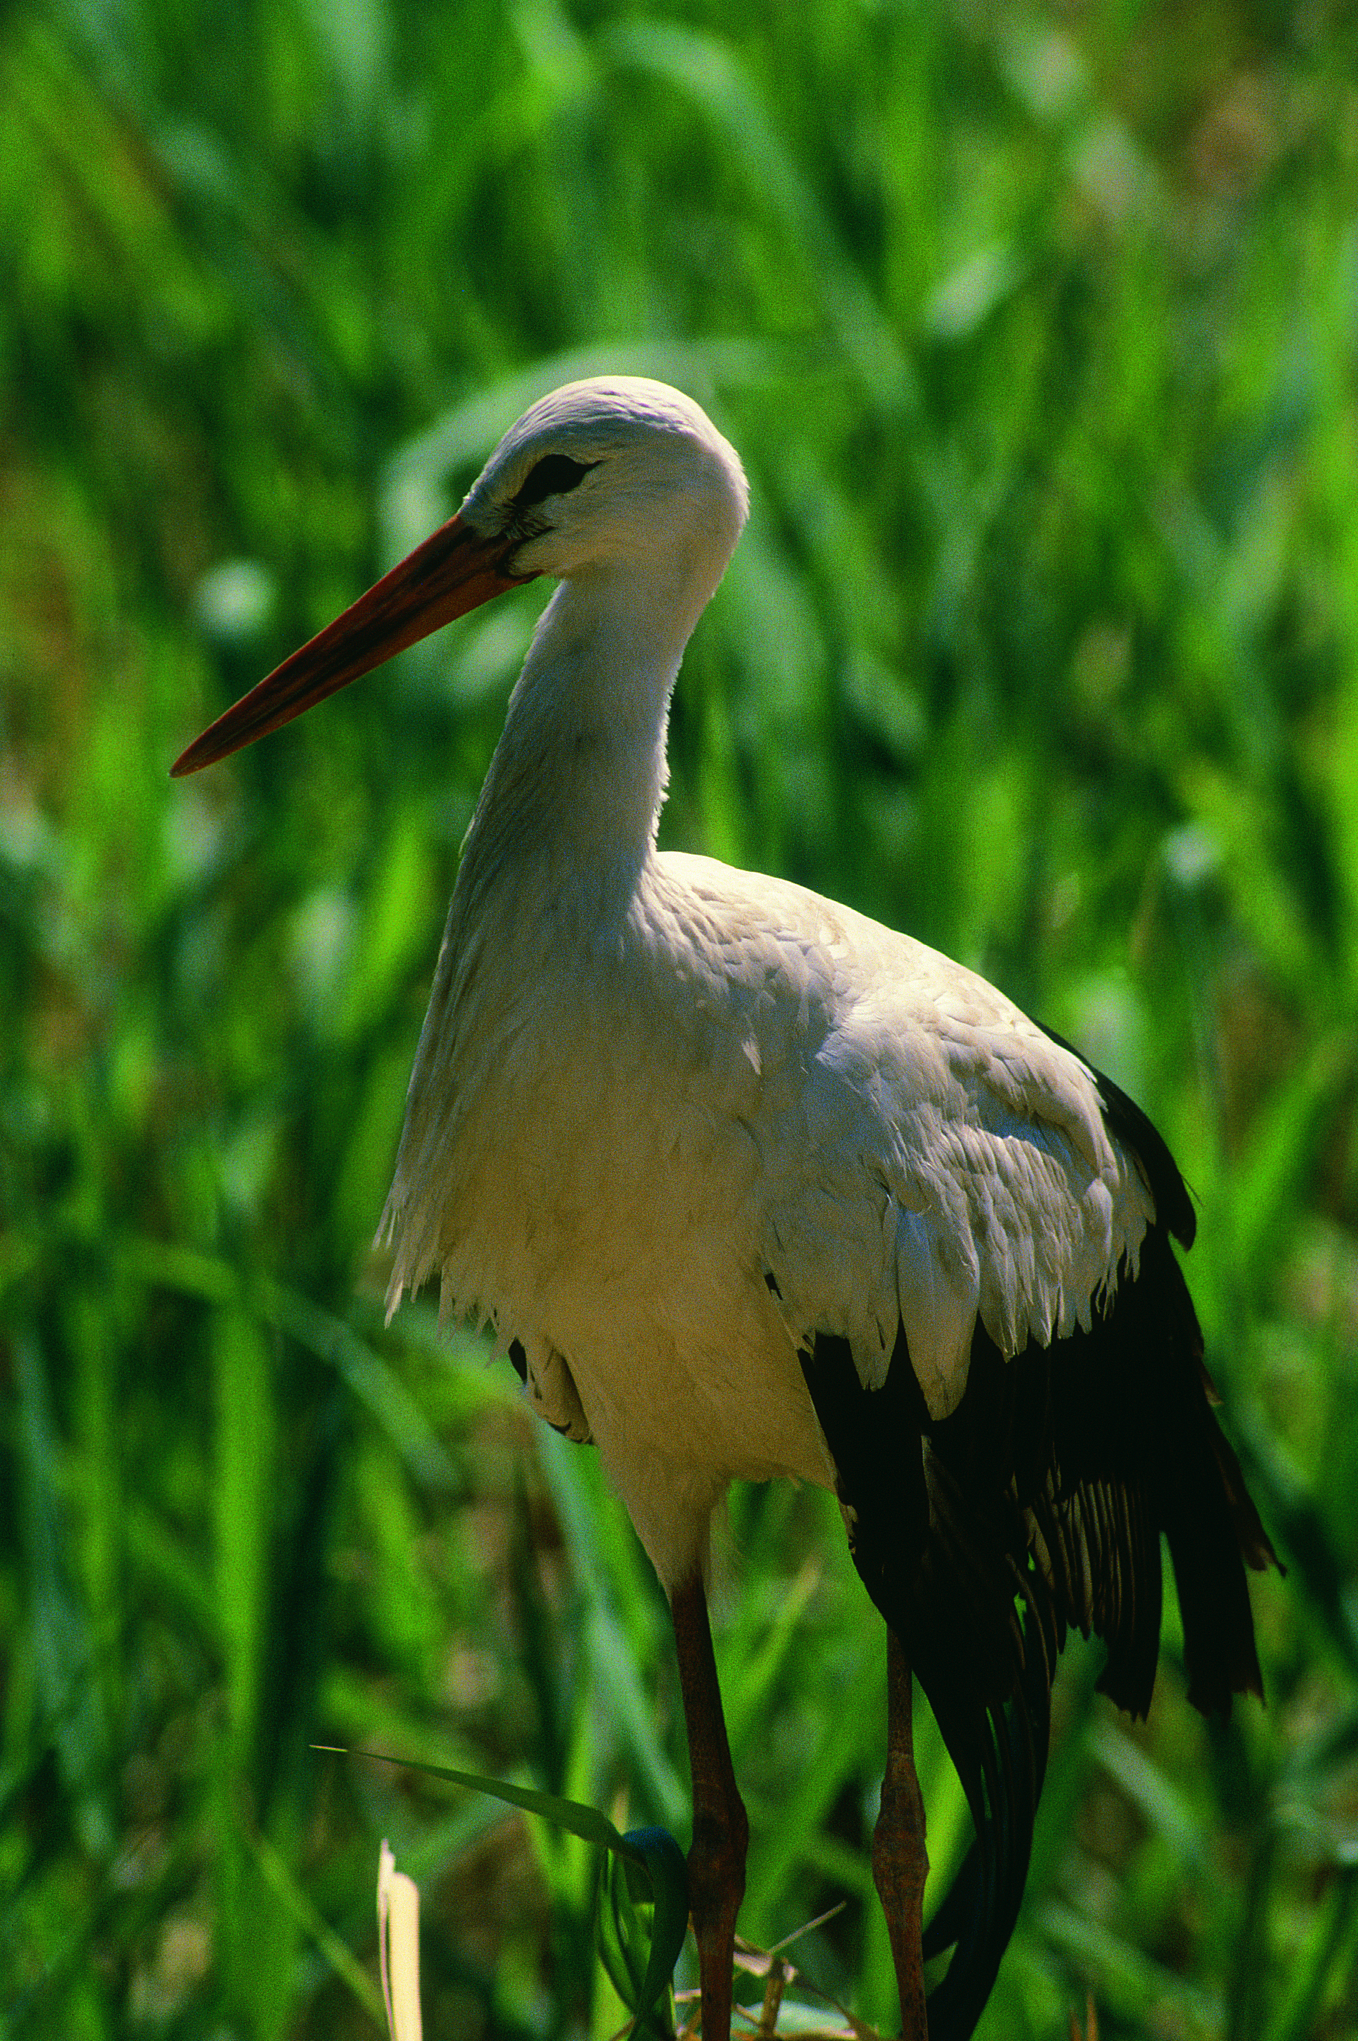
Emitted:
pixel 1037 334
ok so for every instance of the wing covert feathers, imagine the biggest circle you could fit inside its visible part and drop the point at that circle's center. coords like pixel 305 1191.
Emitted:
pixel 1037 1505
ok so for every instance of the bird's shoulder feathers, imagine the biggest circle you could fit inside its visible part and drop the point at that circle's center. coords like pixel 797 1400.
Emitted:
pixel 927 1154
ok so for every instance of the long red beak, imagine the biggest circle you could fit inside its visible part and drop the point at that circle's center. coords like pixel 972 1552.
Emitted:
pixel 454 571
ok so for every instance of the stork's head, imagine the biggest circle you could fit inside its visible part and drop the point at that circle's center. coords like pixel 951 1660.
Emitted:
pixel 615 468
pixel 602 474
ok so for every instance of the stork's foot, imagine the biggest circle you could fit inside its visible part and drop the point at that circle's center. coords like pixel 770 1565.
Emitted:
pixel 900 1861
pixel 716 1862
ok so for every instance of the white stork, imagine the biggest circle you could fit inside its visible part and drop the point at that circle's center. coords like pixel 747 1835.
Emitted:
pixel 749 1185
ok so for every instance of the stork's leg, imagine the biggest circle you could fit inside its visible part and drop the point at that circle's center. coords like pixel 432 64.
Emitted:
pixel 716 1862
pixel 900 1862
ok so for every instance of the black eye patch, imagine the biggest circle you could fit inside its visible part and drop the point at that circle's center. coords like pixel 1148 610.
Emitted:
pixel 553 475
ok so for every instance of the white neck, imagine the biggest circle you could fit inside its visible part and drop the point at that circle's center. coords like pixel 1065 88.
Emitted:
pixel 578 778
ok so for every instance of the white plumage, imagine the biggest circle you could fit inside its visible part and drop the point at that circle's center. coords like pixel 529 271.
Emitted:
pixel 787 1090
pixel 688 1136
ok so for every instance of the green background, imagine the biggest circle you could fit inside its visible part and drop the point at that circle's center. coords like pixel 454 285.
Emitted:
pixel 1037 332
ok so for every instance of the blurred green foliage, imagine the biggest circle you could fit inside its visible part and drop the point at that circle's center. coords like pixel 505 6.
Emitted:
pixel 1037 331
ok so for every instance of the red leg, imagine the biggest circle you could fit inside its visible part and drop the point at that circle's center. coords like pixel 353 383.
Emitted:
pixel 900 1861
pixel 716 1862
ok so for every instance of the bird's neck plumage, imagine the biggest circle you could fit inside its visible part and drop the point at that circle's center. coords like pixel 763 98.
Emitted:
pixel 555 857
pixel 576 785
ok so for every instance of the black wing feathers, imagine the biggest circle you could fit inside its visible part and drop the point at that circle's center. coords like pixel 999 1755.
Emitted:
pixel 940 1547
pixel 1040 1503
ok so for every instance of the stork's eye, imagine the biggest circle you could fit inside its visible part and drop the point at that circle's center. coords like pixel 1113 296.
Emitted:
pixel 553 475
